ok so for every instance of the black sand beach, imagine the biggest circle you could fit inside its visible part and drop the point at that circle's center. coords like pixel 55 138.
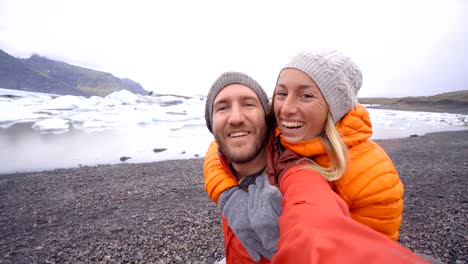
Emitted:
pixel 159 213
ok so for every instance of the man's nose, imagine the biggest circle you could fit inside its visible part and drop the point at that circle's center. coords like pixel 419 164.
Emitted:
pixel 236 116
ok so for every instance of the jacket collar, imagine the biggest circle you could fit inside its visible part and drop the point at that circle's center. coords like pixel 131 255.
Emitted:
pixel 354 128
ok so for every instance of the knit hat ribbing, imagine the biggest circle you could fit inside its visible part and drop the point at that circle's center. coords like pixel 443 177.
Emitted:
pixel 337 76
pixel 229 78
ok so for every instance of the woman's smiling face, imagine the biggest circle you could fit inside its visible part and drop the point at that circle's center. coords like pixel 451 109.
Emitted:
pixel 300 108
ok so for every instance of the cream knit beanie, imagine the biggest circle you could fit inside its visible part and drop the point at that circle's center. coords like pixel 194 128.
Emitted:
pixel 337 76
pixel 226 79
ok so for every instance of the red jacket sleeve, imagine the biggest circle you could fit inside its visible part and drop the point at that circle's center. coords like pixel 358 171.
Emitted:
pixel 315 227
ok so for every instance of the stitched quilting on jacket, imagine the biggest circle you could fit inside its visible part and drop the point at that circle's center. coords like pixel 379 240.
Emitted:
pixel 371 186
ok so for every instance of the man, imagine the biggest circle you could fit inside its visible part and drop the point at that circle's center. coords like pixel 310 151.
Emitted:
pixel 236 113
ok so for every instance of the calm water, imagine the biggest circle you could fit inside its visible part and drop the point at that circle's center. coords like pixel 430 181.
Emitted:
pixel 24 149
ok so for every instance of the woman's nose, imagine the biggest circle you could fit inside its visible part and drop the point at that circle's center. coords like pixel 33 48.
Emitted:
pixel 289 106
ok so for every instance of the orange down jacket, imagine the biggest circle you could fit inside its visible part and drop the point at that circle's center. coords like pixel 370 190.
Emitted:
pixel 370 186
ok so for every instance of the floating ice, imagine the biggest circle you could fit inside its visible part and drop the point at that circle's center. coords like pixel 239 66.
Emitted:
pixel 102 129
pixel 119 109
pixel 51 124
pixel 125 109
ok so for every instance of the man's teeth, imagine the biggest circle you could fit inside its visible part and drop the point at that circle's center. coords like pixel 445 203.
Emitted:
pixel 238 134
pixel 292 124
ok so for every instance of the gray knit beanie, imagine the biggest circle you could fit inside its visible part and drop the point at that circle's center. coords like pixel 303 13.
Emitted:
pixel 337 76
pixel 226 79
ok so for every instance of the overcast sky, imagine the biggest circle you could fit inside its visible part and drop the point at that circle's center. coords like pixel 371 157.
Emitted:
pixel 403 47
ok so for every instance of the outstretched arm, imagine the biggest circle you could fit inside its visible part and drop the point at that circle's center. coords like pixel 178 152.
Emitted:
pixel 315 227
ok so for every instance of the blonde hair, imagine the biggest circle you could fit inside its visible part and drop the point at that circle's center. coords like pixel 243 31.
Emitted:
pixel 336 150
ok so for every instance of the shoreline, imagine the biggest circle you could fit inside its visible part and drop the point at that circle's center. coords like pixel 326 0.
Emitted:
pixel 434 108
pixel 159 212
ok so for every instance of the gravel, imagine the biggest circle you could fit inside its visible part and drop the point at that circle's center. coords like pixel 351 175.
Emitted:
pixel 434 170
pixel 159 213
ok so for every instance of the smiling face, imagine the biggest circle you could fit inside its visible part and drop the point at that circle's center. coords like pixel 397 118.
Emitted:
pixel 239 125
pixel 299 106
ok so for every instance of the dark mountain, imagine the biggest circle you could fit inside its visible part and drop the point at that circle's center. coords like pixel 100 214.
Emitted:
pixel 457 97
pixel 451 102
pixel 40 74
pixel 15 75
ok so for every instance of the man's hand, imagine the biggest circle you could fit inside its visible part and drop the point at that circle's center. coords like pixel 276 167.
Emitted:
pixel 264 211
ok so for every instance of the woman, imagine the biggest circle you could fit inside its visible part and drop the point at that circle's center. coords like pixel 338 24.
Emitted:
pixel 315 106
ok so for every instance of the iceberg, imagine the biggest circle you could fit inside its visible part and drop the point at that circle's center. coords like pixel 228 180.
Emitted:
pixel 102 129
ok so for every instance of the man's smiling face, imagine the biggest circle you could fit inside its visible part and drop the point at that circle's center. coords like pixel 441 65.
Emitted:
pixel 239 125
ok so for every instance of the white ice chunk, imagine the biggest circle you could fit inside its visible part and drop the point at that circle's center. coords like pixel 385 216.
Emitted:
pixel 66 102
pixel 30 101
pixel 123 96
pixel 10 111
pixel 95 124
pixel 19 93
pixel 51 124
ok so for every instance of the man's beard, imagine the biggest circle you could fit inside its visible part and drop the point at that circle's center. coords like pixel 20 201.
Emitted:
pixel 246 156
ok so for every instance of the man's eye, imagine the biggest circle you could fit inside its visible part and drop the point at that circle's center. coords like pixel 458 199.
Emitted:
pixel 221 108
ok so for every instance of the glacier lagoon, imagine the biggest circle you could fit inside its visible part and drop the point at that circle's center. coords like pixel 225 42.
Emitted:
pixel 43 132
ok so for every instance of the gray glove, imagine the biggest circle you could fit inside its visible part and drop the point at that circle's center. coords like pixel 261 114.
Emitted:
pixel 233 203
pixel 264 210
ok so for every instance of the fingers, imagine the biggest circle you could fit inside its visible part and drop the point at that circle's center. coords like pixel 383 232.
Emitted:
pixel 252 188
pixel 266 182
pixel 254 255
pixel 260 180
pixel 255 248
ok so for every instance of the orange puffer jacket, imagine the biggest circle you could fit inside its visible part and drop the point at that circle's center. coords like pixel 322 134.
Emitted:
pixel 370 186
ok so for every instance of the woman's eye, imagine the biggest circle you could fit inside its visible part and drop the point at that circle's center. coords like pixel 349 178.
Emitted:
pixel 281 94
pixel 307 96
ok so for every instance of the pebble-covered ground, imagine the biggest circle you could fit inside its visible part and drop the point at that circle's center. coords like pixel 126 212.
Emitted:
pixel 159 213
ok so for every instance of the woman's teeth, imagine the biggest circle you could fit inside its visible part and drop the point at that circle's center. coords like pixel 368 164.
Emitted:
pixel 292 124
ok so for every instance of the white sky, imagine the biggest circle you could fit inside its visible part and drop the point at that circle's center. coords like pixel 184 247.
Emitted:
pixel 403 47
